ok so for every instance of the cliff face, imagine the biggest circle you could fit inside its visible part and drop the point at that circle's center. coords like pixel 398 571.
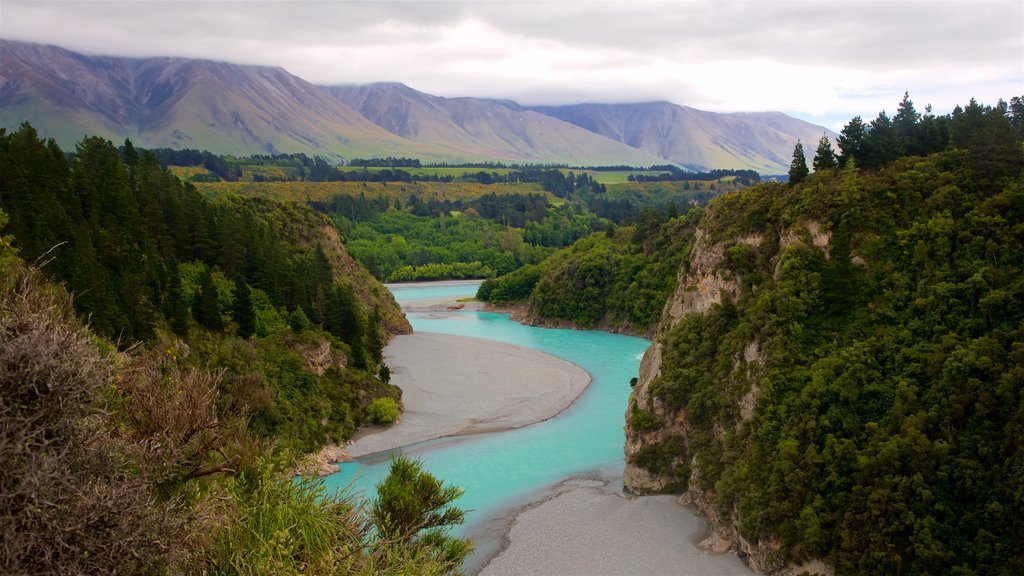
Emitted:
pixel 659 454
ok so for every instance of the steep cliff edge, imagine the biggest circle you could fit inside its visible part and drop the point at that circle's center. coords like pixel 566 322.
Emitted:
pixel 836 381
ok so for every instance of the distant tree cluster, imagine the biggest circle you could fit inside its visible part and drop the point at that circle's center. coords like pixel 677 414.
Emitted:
pixel 119 232
pixel 674 173
pixel 216 164
pixel 388 162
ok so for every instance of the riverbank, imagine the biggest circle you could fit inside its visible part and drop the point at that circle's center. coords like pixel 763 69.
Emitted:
pixel 461 385
pixel 585 526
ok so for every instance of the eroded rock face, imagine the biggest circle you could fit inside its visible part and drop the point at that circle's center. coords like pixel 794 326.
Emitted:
pixel 702 282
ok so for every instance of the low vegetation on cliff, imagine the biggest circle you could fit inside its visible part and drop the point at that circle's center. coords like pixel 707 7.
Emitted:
pixel 840 370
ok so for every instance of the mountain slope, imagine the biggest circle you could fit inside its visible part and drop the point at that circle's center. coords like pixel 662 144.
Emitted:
pixel 696 139
pixel 180 103
pixel 475 128
pixel 243 110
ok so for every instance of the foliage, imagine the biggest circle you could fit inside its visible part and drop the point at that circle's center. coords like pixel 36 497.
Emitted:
pixel 414 507
pixel 887 433
pixel 824 155
pixel 401 246
pixel 128 463
pixel 513 287
pixel 382 411
pixel 74 498
pixel 278 525
pixel 145 255
pixel 619 279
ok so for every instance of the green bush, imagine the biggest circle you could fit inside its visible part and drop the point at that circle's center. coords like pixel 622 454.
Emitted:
pixel 382 411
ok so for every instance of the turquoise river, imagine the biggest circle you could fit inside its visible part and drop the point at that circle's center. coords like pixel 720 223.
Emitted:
pixel 501 470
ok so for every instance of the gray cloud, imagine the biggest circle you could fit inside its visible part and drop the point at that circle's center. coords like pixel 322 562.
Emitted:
pixel 822 59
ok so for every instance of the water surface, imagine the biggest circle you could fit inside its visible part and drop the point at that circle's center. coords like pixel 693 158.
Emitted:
pixel 498 470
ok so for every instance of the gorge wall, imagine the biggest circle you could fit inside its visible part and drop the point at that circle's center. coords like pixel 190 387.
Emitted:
pixel 835 382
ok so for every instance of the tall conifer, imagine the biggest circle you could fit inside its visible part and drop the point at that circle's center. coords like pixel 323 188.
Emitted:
pixel 798 168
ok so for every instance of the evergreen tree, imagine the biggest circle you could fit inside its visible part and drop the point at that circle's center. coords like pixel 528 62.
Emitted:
pixel 824 156
pixel 344 320
pixel 206 308
pixel 851 141
pixel 374 339
pixel 882 143
pixel 414 506
pixel 174 302
pixel 798 167
pixel 905 124
pixel 242 309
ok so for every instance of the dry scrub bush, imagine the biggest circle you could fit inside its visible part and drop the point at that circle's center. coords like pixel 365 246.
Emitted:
pixel 73 499
pixel 171 413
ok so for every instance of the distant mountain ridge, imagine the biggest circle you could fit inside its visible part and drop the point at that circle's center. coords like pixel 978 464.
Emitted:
pixel 243 110
pixel 484 128
pixel 696 139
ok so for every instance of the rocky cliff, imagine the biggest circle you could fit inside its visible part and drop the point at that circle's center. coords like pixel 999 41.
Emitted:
pixel 658 456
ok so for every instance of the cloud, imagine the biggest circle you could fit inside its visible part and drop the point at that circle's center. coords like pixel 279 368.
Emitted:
pixel 821 60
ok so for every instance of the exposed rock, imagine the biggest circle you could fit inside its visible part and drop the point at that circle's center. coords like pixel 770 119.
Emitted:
pixel 819 239
pixel 323 463
pixel 704 281
pixel 748 402
pixel 319 357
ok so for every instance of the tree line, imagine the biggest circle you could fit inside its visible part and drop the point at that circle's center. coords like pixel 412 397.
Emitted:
pixel 987 132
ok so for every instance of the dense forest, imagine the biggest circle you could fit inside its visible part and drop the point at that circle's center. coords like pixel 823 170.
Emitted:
pixel 164 362
pixel 454 238
pixel 249 285
pixel 855 392
pixel 618 279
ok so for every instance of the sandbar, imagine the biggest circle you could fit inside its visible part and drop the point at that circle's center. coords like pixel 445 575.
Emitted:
pixel 586 526
pixel 461 385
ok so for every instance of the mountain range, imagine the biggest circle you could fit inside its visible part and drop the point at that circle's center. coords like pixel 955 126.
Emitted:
pixel 243 110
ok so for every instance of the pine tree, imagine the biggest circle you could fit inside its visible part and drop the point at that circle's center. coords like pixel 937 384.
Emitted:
pixel 242 309
pixel 206 309
pixel 824 156
pixel 374 338
pixel 174 302
pixel 798 168
pixel 851 141
pixel 905 124
pixel 344 320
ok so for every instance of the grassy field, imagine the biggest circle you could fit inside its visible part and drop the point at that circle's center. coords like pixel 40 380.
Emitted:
pixel 317 191
pixel 604 177
pixel 188 172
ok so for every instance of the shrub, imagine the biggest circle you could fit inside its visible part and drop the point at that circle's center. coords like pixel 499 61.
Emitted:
pixel 382 411
pixel 73 499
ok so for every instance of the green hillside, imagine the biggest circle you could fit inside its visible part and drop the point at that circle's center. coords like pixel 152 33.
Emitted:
pixel 839 374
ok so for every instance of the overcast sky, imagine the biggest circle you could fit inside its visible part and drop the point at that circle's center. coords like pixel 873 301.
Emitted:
pixel 824 61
